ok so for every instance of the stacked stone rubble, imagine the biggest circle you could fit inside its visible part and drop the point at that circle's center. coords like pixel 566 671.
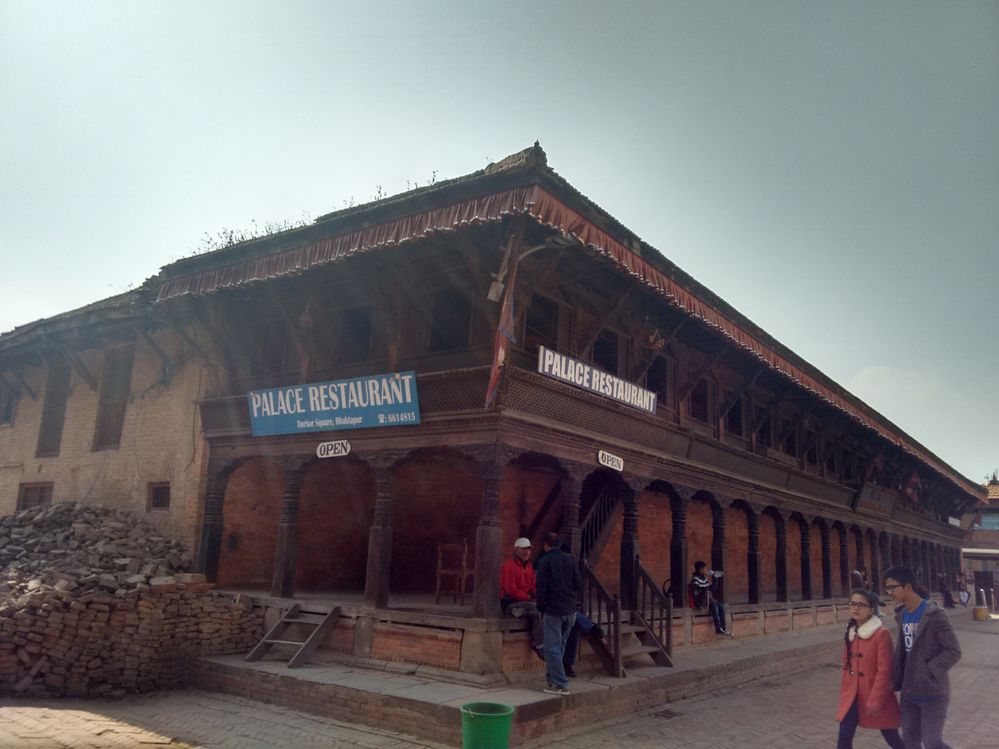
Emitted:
pixel 94 602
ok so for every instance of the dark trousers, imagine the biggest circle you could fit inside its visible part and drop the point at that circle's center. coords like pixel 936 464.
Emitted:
pixel 923 723
pixel 583 625
pixel 717 614
pixel 848 728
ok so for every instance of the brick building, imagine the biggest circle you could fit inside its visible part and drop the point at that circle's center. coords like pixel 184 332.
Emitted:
pixel 634 411
pixel 981 547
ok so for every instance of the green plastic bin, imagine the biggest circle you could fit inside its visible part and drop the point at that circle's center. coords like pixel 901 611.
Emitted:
pixel 485 725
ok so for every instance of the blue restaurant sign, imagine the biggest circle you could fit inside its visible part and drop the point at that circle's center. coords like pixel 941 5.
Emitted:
pixel 384 400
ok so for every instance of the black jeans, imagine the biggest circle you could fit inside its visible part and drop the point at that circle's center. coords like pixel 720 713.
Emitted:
pixel 848 727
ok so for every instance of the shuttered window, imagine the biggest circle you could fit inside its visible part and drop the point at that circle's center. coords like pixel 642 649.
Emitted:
pixel 34 495
pixel 53 411
pixel 116 379
pixel 7 401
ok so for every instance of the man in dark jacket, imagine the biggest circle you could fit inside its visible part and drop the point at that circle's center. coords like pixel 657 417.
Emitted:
pixel 558 587
pixel 926 650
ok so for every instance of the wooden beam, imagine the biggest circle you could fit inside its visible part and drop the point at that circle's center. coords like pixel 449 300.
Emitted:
pixel 479 276
pixel 201 313
pixel 692 381
pixel 758 421
pixel 78 365
pixel 302 346
pixel 189 340
pixel 785 433
pixel 524 296
pixel 11 387
pixel 19 376
pixel 585 341
pixel 167 363
pixel 650 352
pixel 738 393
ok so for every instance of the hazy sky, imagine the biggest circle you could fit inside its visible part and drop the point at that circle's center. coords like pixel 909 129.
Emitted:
pixel 829 168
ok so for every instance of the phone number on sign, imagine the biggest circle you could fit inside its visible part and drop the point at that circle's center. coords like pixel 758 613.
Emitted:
pixel 407 417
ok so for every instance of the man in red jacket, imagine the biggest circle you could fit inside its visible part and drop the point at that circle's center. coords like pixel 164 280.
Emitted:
pixel 517 584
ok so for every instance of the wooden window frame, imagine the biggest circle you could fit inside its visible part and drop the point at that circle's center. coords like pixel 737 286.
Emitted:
pixel 152 488
pixel 58 384
pixel 8 405
pixel 532 348
pixel 434 347
pixel 34 494
pixel 115 391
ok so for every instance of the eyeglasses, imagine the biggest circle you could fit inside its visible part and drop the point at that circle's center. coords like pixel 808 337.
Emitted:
pixel 890 588
pixel 859 605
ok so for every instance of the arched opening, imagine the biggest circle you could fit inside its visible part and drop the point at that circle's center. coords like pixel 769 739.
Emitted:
pixel 251 510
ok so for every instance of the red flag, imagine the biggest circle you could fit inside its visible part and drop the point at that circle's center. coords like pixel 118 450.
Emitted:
pixel 504 331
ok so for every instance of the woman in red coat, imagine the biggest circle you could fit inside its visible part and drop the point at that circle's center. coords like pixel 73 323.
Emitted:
pixel 865 695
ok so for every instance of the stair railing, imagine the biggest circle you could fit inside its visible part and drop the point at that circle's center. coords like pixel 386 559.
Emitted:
pixel 654 608
pixel 594 526
pixel 605 610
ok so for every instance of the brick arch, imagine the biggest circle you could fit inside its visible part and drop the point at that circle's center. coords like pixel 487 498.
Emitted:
pixel 702 513
pixel 254 488
pixel 531 497
pixel 739 516
pixel 655 529
pixel 797 532
pixel 773 574
pixel 818 537
pixel 839 555
pixel 438 498
pixel 336 509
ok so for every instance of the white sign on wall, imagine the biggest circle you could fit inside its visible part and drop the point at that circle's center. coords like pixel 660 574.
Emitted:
pixel 610 460
pixel 335 449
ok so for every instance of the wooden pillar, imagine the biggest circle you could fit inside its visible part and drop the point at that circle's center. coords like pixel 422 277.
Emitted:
pixel 896 551
pixel 780 557
pixel 753 557
pixel 844 560
pixel 678 553
pixel 826 562
pixel 569 499
pixel 210 544
pixel 488 555
pixel 874 573
pixel 376 578
pixel 283 579
pixel 885 545
pixel 629 546
pixel 806 562
pixel 718 548
pixel 858 542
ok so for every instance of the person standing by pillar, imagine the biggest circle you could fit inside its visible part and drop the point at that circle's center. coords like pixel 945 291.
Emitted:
pixel 558 586
pixel 926 650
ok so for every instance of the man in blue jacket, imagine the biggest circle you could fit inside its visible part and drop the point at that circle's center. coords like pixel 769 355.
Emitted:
pixel 926 650
pixel 558 586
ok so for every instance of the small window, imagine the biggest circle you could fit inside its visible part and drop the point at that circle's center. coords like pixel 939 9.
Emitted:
pixel 450 320
pixel 7 401
pixel 830 467
pixel 34 495
pixel 271 343
pixel 699 401
pixel 541 325
pixel 356 325
pixel 116 380
pixel 159 496
pixel 790 445
pixel 605 351
pixel 53 411
pixel 733 419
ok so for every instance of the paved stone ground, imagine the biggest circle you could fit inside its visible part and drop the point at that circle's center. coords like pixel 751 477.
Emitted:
pixel 795 711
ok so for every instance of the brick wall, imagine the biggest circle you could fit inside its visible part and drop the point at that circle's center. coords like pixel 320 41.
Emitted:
pixel 736 578
pixel 160 440
pixel 250 513
pixel 98 644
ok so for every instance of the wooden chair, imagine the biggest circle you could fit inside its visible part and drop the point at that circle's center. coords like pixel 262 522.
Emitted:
pixel 452 571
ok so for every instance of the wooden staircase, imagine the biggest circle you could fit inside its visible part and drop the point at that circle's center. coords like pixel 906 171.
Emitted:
pixel 642 636
pixel 295 617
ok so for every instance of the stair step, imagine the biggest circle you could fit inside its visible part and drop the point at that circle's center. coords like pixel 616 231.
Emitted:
pixel 313 622
pixel 633 650
pixel 296 643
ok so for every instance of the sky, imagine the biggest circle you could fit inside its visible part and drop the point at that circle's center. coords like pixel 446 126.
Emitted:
pixel 830 169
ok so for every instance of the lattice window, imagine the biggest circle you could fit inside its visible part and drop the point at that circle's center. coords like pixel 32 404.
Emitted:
pixel 764 433
pixel 116 380
pixel 657 379
pixel 698 401
pixel 790 446
pixel 541 324
pixel 450 320
pixel 34 495
pixel 53 411
pixel 606 350
pixel 733 419
pixel 356 327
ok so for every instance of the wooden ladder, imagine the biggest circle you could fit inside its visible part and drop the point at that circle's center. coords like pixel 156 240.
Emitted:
pixel 321 624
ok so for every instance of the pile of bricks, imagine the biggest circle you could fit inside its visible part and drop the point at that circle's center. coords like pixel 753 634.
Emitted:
pixel 92 602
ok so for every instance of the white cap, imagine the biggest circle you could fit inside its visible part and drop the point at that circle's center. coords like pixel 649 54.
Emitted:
pixel 522 543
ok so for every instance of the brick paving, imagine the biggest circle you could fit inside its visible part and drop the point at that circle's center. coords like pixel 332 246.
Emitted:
pixel 789 711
